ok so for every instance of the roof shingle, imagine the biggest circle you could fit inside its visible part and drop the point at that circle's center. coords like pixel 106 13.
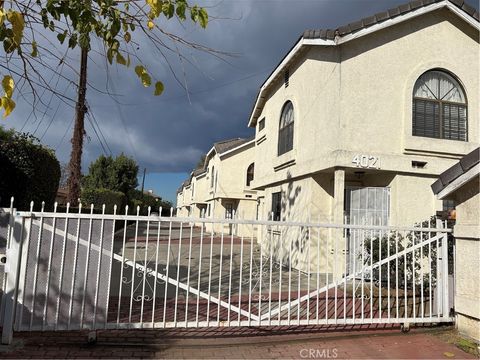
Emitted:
pixel 329 34
pixel 226 145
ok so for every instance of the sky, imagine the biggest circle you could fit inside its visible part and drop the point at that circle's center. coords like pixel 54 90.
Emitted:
pixel 206 99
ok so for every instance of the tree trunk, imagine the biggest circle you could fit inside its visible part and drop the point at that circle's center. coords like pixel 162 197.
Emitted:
pixel 75 165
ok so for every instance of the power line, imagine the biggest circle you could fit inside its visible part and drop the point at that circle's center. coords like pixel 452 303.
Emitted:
pixel 50 101
pixel 96 133
pixel 169 98
pixel 54 115
pixel 65 134
pixel 122 120
pixel 33 107
pixel 90 111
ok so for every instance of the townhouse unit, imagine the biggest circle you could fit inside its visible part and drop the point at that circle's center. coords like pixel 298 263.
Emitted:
pixel 221 188
pixel 356 123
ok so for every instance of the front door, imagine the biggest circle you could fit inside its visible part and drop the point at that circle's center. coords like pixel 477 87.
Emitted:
pixel 364 206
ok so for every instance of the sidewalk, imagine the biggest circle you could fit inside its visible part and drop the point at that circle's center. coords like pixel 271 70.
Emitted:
pixel 243 344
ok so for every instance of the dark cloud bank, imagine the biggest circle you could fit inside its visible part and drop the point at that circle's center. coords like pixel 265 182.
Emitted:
pixel 169 133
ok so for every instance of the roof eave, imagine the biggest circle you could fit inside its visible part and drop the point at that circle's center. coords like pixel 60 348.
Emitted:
pixel 459 182
pixel 236 148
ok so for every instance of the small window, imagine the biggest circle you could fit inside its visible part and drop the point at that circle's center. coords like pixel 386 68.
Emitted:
pixel 212 177
pixel 250 173
pixel 261 124
pixel 277 206
pixel 448 205
pixel 285 133
pixel 439 107
pixel 286 77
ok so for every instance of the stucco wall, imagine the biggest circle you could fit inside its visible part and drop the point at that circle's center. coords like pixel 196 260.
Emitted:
pixel 357 98
pixel 467 273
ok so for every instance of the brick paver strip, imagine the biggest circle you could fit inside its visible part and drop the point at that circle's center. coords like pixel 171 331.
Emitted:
pixel 242 343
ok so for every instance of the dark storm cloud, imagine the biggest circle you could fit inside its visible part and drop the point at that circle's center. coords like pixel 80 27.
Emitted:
pixel 169 133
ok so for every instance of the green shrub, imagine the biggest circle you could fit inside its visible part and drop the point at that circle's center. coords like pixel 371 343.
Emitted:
pixel 98 197
pixel 376 248
pixel 29 171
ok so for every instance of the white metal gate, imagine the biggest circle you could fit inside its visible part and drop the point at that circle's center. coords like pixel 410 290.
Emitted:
pixel 79 270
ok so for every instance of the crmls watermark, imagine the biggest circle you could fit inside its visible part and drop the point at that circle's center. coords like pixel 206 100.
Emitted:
pixel 319 353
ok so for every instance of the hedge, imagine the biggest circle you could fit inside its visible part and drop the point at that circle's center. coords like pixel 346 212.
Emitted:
pixel 98 197
pixel 29 171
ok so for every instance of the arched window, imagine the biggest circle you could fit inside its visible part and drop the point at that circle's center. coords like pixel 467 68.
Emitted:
pixel 212 177
pixel 285 133
pixel 439 107
pixel 250 173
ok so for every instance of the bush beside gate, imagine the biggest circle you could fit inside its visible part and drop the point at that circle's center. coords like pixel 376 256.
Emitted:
pixel 29 170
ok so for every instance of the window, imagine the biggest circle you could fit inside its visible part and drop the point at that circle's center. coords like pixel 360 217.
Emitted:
pixel 448 205
pixel 285 133
pixel 286 79
pixel 439 107
pixel 261 124
pixel 250 173
pixel 228 211
pixel 277 206
pixel 212 177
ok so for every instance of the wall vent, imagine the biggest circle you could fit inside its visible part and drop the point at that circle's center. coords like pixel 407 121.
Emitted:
pixel 419 164
pixel 286 79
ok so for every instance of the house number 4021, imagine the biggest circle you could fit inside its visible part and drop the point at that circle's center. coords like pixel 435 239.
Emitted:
pixel 366 161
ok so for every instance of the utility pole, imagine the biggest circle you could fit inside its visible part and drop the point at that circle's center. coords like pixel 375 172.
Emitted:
pixel 143 180
pixel 74 167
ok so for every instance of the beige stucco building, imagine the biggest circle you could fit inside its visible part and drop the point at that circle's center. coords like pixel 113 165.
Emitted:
pixel 221 188
pixel 355 124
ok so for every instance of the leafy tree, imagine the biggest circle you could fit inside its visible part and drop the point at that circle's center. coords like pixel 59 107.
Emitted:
pixel 63 176
pixel 30 50
pixel 201 161
pixel 100 197
pixel 73 24
pixel 116 174
pixel 29 171
pixel 137 198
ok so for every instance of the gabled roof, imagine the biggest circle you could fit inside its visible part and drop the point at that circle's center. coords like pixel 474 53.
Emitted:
pixel 198 171
pixel 342 34
pixel 221 148
pixel 467 164
pixel 227 145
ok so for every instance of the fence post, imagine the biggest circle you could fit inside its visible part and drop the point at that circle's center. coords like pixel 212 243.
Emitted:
pixel 446 305
pixel 12 267
pixel 11 218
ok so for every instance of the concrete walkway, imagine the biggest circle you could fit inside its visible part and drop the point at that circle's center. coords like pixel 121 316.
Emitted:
pixel 245 343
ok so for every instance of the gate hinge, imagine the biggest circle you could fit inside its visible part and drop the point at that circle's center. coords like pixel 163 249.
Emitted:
pixel 5 260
